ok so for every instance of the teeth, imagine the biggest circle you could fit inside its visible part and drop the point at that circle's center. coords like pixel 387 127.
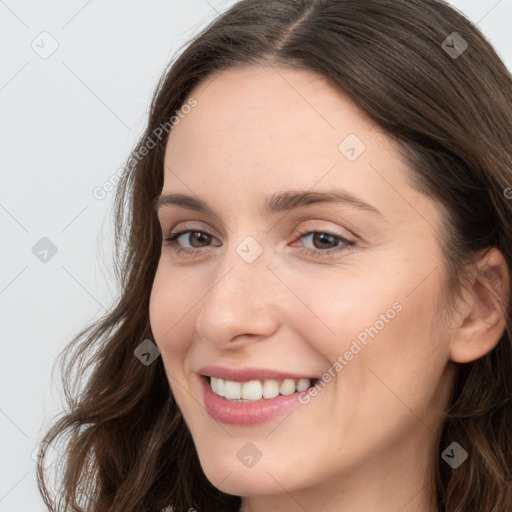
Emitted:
pixel 287 387
pixel 220 387
pixel 303 384
pixel 254 390
pixel 232 390
pixel 270 388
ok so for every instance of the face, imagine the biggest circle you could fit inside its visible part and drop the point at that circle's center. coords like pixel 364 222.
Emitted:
pixel 342 290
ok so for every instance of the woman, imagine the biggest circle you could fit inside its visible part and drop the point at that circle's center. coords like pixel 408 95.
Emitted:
pixel 315 306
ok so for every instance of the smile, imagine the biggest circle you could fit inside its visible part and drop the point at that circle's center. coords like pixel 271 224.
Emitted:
pixel 256 390
pixel 254 397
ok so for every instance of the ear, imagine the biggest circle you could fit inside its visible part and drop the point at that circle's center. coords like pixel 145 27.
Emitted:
pixel 481 324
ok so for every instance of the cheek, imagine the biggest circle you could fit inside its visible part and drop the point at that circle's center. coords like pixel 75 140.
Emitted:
pixel 170 306
pixel 341 307
pixel 376 321
pixel 172 300
pixel 404 352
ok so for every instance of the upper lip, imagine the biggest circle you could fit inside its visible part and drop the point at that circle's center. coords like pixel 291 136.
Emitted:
pixel 248 373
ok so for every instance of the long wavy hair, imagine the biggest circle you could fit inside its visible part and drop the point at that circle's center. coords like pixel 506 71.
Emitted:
pixel 126 447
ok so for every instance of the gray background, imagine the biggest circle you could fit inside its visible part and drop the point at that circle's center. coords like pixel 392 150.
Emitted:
pixel 67 124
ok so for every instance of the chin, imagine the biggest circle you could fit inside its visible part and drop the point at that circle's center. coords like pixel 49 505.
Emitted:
pixel 229 475
pixel 246 483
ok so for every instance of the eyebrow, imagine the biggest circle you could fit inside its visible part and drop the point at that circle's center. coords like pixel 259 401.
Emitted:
pixel 278 202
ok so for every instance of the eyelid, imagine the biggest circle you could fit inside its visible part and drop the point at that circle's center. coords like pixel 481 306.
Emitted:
pixel 345 243
pixel 184 225
pixel 304 228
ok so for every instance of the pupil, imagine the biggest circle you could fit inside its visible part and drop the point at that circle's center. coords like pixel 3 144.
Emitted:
pixel 322 237
pixel 198 235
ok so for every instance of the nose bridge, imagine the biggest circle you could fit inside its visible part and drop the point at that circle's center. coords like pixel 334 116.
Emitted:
pixel 240 298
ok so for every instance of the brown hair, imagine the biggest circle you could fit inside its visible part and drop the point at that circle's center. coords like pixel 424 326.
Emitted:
pixel 127 446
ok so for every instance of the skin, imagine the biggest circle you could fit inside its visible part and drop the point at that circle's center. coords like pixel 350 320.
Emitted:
pixel 366 441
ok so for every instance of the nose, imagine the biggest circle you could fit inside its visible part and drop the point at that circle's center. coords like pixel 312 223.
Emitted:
pixel 242 302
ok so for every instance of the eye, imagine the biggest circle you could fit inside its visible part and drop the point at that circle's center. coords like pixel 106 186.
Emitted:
pixel 195 236
pixel 329 238
pixel 199 240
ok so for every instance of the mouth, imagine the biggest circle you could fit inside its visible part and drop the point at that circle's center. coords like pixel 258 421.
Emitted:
pixel 246 403
pixel 258 390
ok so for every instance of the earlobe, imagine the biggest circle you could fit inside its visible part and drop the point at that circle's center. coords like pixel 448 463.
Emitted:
pixel 483 323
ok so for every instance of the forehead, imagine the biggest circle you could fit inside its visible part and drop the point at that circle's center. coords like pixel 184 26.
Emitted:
pixel 264 129
pixel 271 110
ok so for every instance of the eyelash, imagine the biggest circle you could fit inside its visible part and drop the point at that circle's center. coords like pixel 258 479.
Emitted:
pixel 345 244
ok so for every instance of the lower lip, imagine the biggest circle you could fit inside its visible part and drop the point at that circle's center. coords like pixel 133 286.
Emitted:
pixel 246 413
